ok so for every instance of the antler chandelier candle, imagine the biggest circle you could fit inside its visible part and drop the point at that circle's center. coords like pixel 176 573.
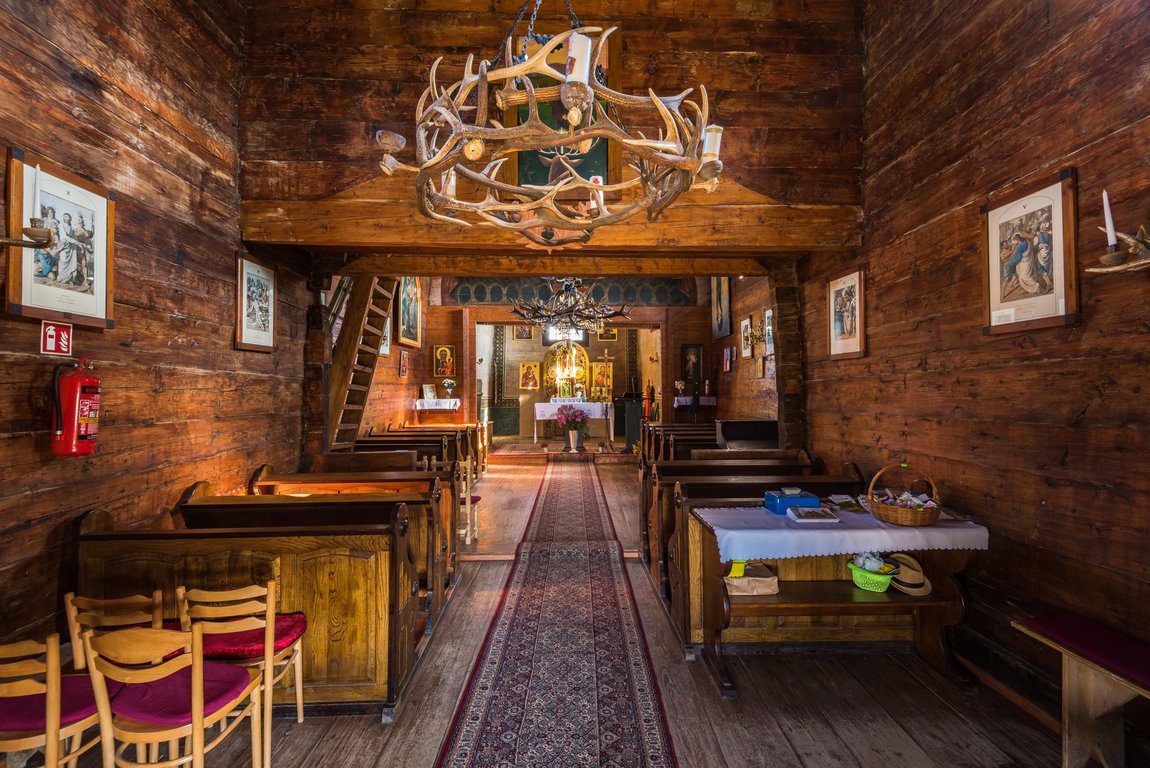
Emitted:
pixel 569 307
pixel 456 138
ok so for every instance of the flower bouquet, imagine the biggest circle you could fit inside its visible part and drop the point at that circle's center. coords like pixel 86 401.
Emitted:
pixel 571 418
pixel 449 385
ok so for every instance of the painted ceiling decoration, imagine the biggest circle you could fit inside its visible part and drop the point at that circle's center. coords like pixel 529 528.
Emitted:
pixel 633 291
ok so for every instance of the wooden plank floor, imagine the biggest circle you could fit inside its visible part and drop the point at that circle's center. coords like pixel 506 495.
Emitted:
pixel 886 710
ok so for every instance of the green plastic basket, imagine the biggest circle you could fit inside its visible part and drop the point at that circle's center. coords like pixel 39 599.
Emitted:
pixel 871 582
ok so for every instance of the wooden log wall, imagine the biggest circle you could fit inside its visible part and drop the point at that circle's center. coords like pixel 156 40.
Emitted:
pixel 141 97
pixel 784 80
pixel 749 389
pixel 1044 435
pixel 392 399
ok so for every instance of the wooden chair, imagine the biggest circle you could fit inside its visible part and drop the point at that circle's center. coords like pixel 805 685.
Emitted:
pixel 107 615
pixel 241 627
pixel 168 695
pixel 39 707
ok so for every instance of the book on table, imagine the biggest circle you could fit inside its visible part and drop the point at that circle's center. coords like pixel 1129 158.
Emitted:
pixel 812 515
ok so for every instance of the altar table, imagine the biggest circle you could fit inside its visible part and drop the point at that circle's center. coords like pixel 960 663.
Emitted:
pixel 547 411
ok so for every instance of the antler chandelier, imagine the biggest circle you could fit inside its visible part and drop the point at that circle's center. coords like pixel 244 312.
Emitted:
pixel 458 138
pixel 569 307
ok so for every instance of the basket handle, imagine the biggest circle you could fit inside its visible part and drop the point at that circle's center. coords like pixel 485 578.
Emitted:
pixel 873 480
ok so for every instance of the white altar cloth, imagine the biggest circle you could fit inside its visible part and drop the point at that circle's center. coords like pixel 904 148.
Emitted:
pixel 756 533
pixel 440 404
pixel 547 411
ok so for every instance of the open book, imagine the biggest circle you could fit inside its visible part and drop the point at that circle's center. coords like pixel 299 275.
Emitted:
pixel 812 515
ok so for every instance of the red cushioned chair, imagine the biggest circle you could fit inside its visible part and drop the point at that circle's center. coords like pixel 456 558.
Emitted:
pixel 39 707
pixel 111 614
pixel 241 627
pixel 168 695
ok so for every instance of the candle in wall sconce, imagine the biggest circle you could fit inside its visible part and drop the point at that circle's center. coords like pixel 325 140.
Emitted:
pixel 38 207
pixel 1111 235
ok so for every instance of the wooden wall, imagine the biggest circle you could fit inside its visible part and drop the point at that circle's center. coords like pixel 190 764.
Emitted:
pixel 785 80
pixel 1043 436
pixel 141 97
pixel 748 390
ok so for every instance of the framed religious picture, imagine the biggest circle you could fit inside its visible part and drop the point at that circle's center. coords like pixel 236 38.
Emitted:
pixel 602 379
pixel 255 305
pixel 769 332
pixel 70 278
pixel 720 307
pixel 727 358
pixel 410 316
pixel 529 375
pixel 403 363
pixel 1029 260
pixel 607 334
pixel 692 368
pixel 428 391
pixel 845 315
pixel 523 332
pixel 443 357
pixel 601 162
pixel 746 346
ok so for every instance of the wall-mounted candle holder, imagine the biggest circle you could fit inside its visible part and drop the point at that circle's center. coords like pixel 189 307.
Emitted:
pixel 1135 257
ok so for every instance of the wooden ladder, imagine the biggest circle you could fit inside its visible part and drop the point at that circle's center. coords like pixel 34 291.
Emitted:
pixel 365 317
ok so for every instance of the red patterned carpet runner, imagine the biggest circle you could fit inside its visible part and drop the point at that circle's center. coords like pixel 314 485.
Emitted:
pixel 563 678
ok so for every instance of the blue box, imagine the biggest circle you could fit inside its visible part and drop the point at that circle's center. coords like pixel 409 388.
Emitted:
pixel 777 501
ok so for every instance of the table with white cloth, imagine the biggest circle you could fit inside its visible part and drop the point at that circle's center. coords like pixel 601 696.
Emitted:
pixel 814 581
pixel 439 404
pixel 605 411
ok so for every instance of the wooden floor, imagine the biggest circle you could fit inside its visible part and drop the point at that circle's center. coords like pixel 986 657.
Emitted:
pixel 884 710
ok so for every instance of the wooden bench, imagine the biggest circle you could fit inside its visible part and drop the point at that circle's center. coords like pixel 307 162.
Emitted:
pixel 684 542
pixel 360 648
pixel 653 432
pixel 427 538
pixel 437 447
pixel 265 481
pixel 1102 670
pixel 479 437
pixel 369 461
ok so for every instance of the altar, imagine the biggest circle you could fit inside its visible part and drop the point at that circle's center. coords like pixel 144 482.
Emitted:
pixel 547 411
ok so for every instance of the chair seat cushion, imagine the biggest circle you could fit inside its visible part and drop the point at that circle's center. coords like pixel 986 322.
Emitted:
pixel 169 701
pixel 474 499
pixel 1103 645
pixel 249 644
pixel 77 702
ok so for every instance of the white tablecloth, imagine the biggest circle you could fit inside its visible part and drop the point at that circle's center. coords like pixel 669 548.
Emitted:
pixel 756 533
pixel 441 404
pixel 547 411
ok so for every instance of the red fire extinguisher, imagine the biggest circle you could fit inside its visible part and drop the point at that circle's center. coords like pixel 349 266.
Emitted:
pixel 76 417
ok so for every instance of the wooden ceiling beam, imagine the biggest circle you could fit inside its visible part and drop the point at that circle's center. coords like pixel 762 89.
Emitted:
pixel 535 263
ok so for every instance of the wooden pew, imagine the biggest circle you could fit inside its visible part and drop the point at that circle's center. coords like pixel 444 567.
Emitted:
pixel 477 436
pixel 360 647
pixel 369 461
pixel 684 544
pixel 437 447
pixel 740 454
pixel 651 432
pixel 426 537
pixel 467 437
pixel 265 481
pixel 659 512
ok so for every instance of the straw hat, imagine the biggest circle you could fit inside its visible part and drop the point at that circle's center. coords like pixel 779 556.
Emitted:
pixel 909 578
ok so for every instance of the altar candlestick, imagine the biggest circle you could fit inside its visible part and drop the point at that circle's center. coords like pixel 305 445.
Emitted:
pixel 1111 237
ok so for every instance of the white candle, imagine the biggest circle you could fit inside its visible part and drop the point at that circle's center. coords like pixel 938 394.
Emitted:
pixel 712 140
pixel 449 184
pixel 578 58
pixel 1111 238
pixel 37 210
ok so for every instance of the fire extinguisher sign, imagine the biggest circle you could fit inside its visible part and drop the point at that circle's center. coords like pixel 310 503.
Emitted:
pixel 55 338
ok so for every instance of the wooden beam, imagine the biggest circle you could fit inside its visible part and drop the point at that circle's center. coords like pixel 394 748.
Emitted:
pixel 380 216
pixel 575 263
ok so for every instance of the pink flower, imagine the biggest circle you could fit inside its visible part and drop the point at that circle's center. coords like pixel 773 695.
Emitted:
pixel 569 417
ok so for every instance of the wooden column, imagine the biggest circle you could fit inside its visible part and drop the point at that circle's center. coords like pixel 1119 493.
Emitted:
pixel 317 359
pixel 785 301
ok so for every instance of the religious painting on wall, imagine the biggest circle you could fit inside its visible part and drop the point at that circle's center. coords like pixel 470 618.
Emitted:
pixel 71 278
pixel 255 305
pixel 523 333
pixel 607 334
pixel 444 357
pixel 769 332
pixel 385 338
pixel 1029 250
pixel 720 307
pixel 529 375
pixel 845 317
pixel 602 379
pixel 403 363
pixel 745 344
pixel 692 363
pixel 601 162
pixel 410 316
pixel 727 358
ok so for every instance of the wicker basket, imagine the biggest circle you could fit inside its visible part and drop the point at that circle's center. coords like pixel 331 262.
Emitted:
pixel 871 582
pixel 890 513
